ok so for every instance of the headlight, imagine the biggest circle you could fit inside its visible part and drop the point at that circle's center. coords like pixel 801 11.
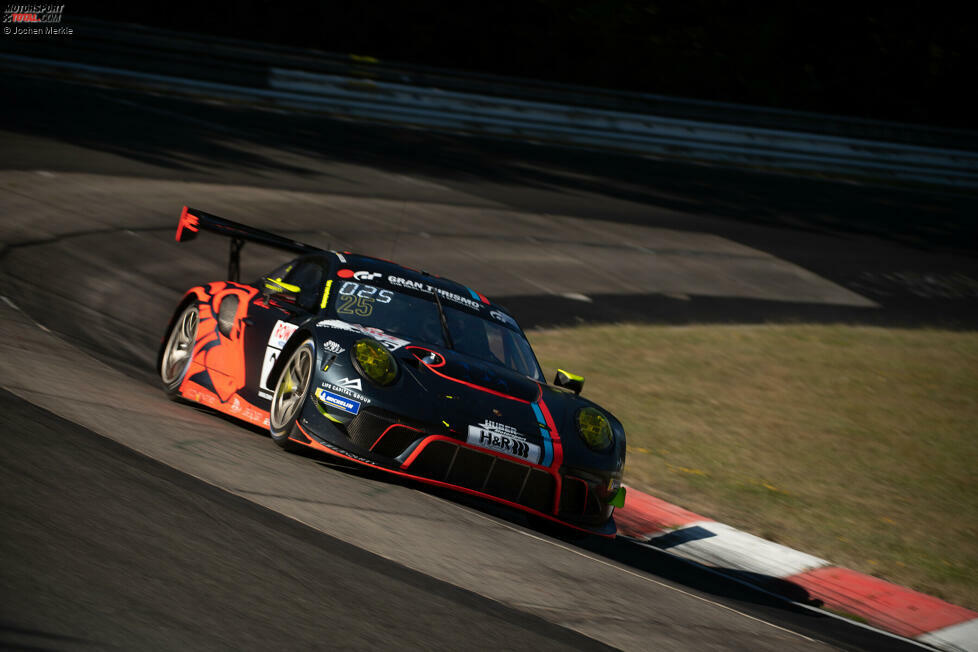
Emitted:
pixel 594 429
pixel 374 361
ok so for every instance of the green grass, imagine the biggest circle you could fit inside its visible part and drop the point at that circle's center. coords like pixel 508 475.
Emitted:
pixel 856 444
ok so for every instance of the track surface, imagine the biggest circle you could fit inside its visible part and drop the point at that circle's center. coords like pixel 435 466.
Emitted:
pixel 93 180
pixel 96 558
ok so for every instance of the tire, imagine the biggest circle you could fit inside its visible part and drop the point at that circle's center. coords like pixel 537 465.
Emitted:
pixel 179 349
pixel 291 390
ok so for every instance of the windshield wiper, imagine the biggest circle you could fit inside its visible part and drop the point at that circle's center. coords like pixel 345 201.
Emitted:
pixel 441 316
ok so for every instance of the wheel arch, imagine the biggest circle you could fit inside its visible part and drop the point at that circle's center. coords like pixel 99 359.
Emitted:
pixel 298 337
pixel 192 295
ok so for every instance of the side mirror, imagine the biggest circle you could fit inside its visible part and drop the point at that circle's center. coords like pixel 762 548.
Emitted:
pixel 569 381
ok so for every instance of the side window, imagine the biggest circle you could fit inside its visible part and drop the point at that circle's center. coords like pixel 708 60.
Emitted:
pixel 308 277
pixel 281 270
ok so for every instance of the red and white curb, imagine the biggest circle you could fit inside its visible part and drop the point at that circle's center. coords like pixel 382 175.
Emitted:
pixel 882 604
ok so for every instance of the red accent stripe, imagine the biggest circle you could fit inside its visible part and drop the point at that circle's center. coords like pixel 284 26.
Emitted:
pixel 558 447
pixel 549 419
pixel 433 438
pixel 388 429
pixel 441 363
pixel 645 516
pixel 437 483
pixel 474 386
pixel 421 348
pixel 889 606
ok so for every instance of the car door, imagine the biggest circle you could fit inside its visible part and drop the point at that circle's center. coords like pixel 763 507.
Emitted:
pixel 274 316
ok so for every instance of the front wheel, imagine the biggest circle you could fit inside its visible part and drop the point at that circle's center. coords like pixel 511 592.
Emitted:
pixel 179 350
pixel 290 394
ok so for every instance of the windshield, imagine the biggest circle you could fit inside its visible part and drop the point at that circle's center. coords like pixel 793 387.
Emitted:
pixel 416 318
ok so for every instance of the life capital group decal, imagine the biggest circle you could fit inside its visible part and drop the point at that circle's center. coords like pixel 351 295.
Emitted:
pixel 34 20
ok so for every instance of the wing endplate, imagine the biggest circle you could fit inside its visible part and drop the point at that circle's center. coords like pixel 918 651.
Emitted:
pixel 192 221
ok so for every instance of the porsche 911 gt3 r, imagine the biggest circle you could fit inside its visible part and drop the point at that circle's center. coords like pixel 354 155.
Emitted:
pixel 396 369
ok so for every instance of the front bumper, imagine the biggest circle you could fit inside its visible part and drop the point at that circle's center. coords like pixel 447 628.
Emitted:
pixel 573 497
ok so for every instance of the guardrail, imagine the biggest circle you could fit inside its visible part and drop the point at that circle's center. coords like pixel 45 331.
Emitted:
pixel 362 88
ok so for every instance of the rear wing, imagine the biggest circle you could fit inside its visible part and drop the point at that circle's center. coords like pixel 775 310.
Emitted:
pixel 193 220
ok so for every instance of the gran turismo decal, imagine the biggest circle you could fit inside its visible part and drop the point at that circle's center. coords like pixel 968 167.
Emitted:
pixel 504 439
pixel 425 287
pixel 391 342
pixel 337 401
pixel 276 342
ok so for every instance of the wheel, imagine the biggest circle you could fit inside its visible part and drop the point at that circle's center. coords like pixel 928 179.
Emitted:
pixel 179 350
pixel 291 390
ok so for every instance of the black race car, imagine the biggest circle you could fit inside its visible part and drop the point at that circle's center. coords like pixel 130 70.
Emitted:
pixel 396 369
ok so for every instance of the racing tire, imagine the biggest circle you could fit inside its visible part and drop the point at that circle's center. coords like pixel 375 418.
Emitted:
pixel 179 350
pixel 291 390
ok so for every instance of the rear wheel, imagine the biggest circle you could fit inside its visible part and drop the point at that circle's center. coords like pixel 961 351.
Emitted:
pixel 179 349
pixel 291 391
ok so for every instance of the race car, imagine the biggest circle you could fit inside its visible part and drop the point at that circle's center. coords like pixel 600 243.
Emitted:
pixel 396 369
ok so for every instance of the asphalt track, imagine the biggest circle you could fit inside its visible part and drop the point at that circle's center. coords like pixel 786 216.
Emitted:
pixel 246 576
pixel 104 547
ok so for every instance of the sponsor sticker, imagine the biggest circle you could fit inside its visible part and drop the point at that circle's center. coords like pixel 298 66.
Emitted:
pixel 337 401
pixel 504 439
pixel 333 347
pixel 276 341
pixel 281 333
pixel 361 275
pixel 392 343
pixel 347 392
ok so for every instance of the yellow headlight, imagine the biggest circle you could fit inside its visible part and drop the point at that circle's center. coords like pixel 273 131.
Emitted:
pixel 375 361
pixel 594 429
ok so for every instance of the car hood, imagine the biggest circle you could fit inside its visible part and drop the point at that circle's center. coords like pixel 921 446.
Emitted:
pixel 471 372
pixel 487 405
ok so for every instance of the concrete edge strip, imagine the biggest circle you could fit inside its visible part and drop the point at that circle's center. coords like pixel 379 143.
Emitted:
pixel 962 636
pixel 883 604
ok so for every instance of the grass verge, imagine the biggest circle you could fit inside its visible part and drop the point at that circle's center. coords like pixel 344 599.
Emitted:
pixel 857 444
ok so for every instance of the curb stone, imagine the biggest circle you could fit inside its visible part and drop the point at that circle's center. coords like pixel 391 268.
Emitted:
pixel 888 606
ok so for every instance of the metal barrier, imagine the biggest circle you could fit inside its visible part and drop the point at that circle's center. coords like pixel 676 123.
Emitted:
pixel 362 88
